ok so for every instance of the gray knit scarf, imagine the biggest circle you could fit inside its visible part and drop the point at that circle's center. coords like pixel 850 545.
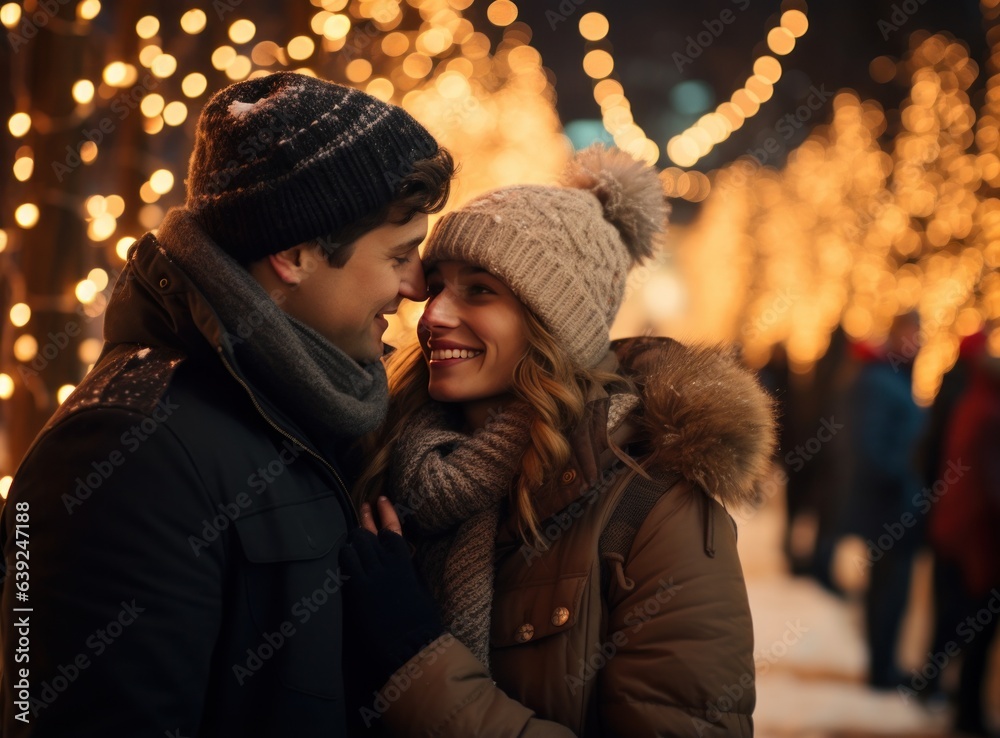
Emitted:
pixel 455 484
pixel 321 387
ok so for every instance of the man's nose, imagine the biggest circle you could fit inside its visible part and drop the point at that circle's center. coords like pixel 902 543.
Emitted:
pixel 414 286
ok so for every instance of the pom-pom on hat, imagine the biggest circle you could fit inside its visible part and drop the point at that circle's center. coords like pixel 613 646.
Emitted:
pixel 286 158
pixel 564 251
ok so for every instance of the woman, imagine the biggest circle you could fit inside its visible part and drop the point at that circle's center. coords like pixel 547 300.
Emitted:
pixel 513 437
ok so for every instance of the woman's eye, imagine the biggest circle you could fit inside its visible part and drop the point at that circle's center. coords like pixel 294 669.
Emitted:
pixel 479 289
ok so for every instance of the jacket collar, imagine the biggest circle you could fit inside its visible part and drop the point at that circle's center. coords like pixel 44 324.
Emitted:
pixel 700 413
pixel 155 303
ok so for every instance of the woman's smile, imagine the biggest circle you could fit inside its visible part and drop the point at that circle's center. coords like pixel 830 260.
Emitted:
pixel 472 321
pixel 444 353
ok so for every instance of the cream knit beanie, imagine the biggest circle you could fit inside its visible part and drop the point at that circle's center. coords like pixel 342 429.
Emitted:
pixel 564 251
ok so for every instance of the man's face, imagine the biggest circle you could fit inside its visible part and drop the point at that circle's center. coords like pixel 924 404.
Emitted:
pixel 347 305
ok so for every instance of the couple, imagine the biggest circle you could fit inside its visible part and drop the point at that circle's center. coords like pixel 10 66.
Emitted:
pixel 216 579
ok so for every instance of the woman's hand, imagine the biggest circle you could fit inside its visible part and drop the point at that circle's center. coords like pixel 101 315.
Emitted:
pixel 386 513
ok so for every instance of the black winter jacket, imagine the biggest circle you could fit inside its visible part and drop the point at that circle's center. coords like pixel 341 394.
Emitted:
pixel 180 542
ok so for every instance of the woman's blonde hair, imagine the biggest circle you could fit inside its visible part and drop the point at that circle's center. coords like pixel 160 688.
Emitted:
pixel 544 377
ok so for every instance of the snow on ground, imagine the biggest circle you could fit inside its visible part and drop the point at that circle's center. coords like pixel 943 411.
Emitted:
pixel 810 651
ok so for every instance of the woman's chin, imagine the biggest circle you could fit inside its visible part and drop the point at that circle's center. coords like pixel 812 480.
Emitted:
pixel 445 394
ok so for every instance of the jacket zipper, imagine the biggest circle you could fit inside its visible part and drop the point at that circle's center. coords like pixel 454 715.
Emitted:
pixel 290 437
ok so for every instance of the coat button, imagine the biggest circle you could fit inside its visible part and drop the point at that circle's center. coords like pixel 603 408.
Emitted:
pixel 525 632
pixel 164 282
pixel 568 476
pixel 560 615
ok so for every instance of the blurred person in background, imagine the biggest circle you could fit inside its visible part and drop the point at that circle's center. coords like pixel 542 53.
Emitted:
pixel 828 473
pixel 885 425
pixel 965 530
pixel 950 600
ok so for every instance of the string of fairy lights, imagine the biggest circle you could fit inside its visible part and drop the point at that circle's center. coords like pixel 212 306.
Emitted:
pixel 854 230
pixel 688 147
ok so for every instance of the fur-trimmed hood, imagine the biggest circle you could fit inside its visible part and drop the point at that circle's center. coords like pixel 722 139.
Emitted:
pixel 702 414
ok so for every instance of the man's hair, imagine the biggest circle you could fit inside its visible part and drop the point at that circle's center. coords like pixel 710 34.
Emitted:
pixel 424 190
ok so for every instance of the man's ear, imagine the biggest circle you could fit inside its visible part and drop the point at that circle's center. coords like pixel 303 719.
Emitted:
pixel 295 264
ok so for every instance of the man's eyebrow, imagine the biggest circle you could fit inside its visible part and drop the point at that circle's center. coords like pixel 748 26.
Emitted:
pixel 408 246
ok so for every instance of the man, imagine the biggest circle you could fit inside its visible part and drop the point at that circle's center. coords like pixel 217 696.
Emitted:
pixel 181 515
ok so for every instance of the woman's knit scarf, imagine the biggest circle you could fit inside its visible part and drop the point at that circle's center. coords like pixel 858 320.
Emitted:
pixel 451 486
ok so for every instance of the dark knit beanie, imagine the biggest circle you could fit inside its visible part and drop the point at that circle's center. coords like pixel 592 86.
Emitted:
pixel 287 158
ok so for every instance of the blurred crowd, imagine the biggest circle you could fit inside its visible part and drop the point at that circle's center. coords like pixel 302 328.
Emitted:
pixel 873 479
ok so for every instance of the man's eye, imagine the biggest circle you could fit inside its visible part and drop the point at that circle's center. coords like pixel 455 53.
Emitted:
pixel 400 260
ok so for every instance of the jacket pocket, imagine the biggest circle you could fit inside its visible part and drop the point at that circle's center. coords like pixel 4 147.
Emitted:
pixel 538 636
pixel 293 587
pixel 533 611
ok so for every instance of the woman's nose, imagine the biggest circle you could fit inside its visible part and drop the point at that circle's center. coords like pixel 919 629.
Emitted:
pixel 440 311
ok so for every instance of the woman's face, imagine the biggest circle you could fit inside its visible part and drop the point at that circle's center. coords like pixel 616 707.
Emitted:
pixel 473 332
